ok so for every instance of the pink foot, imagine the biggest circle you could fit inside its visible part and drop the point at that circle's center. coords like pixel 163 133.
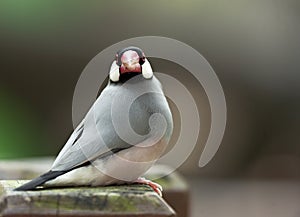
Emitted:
pixel 156 187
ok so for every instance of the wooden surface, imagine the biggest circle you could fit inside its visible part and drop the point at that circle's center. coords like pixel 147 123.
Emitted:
pixel 126 200
pixel 175 189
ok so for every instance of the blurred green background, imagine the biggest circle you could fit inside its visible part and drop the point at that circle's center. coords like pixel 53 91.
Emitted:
pixel 253 47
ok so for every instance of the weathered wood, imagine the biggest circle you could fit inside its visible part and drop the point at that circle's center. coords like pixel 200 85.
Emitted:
pixel 127 200
pixel 175 189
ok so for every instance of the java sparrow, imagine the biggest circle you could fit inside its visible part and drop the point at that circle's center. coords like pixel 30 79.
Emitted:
pixel 124 132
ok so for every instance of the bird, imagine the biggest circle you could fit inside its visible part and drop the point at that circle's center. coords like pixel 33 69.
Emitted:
pixel 125 131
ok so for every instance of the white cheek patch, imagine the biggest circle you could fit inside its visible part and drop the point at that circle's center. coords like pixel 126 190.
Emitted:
pixel 114 74
pixel 147 70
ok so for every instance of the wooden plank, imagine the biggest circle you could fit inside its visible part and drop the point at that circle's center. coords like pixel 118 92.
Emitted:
pixel 126 200
pixel 175 189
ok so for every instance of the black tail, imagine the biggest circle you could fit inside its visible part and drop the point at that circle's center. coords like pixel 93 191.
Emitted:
pixel 39 180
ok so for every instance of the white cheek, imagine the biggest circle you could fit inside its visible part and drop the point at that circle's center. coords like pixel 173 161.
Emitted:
pixel 147 70
pixel 114 74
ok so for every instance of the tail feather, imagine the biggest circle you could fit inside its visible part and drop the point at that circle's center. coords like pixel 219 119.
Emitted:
pixel 39 180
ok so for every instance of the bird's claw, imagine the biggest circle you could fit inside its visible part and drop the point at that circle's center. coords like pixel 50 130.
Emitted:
pixel 156 187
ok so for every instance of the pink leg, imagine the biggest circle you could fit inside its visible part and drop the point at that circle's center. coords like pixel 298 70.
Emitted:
pixel 156 187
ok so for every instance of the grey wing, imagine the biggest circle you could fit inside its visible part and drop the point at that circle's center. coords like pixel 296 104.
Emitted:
pixel 93 138
pixel 72 154
pixel 96 135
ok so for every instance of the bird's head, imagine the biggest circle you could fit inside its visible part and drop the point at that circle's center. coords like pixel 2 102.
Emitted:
pixel 129 62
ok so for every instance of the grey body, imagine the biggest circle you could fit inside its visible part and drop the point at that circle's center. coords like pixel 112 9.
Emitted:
pixel 116 155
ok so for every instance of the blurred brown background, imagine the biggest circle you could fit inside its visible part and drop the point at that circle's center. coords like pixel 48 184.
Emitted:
pixel 253 47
